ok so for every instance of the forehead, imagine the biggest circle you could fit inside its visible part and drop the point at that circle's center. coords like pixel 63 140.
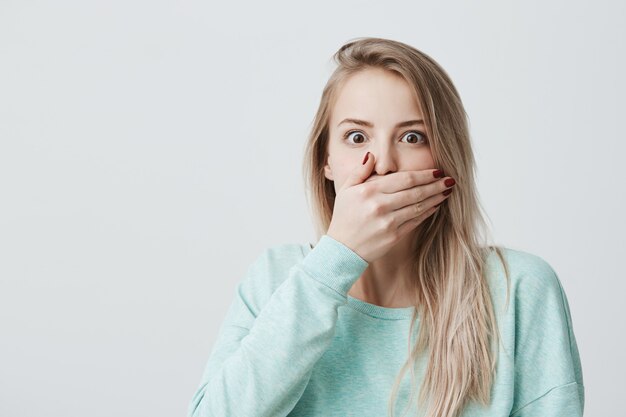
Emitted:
pixel 375 95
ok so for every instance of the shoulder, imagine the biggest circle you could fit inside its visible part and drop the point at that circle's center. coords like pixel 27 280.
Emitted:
pixel 530 274
pixel 536 295
pixel 269 269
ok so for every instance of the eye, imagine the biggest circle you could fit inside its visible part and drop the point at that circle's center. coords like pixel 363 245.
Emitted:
pixel 413 132
pixel 347 135
pixel 421 138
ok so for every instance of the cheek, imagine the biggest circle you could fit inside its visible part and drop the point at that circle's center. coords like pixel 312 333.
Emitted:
pixel 341 166
pixel 424 160
pixel 344 165
pixel 429 159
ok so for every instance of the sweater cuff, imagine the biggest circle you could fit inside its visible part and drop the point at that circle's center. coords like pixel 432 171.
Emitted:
pixel 334 264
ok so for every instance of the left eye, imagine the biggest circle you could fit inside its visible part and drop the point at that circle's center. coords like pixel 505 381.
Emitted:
pixel 412 133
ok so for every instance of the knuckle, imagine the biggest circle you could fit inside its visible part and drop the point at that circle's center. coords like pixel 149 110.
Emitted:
pixel 387 225
pixel 419 194
pixel 408 179
pixel 418 209
pixel 378 209
pixel 362 192
pixel 366 190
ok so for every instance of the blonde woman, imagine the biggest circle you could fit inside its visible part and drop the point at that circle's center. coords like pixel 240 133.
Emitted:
pixel 402 302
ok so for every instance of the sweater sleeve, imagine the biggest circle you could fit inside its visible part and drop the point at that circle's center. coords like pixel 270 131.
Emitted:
pixel 564 400
pixel 261 363
pixel 548 372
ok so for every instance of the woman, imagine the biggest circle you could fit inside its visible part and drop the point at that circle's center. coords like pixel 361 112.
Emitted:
pixel 402 277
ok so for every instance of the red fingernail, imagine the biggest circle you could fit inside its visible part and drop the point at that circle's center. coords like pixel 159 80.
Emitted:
pixel 448 191
pixel 449 182
pixel 438 173
pixel 367 155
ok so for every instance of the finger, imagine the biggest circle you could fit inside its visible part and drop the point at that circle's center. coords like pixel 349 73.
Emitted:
pixel 413 222
pixel 417 209
pixel 398 181
pixel 361 172
pixel 417 194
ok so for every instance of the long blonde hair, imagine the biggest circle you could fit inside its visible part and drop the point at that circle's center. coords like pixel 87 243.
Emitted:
pixel 450 290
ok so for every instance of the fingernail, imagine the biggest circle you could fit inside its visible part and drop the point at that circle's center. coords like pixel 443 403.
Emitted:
pixel 449 182
pixel 438 173
pixel 367 155
pixel 447 191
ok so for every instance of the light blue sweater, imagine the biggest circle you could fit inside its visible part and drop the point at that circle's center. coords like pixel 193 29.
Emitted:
pixel 293 343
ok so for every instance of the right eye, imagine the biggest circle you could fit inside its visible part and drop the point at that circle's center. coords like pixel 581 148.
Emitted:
pixel 347 135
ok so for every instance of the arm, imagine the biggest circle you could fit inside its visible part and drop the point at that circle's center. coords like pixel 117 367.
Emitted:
pixel 548 372
pixel 260 365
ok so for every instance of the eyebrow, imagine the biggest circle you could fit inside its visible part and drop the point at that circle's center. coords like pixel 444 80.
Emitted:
pixel 369 124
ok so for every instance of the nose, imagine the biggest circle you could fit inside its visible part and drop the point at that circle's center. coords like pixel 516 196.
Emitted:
pixel 385 160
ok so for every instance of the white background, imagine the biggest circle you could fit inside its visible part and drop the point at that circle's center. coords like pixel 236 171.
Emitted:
pixel 150 150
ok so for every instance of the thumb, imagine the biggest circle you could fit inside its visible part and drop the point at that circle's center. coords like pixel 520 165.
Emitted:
pixel 361 172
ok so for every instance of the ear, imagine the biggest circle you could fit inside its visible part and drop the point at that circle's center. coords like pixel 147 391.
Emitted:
pixel 328 173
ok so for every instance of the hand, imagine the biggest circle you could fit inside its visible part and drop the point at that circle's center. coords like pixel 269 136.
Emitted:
pixel 371 214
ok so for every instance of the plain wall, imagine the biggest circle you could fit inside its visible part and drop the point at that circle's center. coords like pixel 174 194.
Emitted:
pixel 150 150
